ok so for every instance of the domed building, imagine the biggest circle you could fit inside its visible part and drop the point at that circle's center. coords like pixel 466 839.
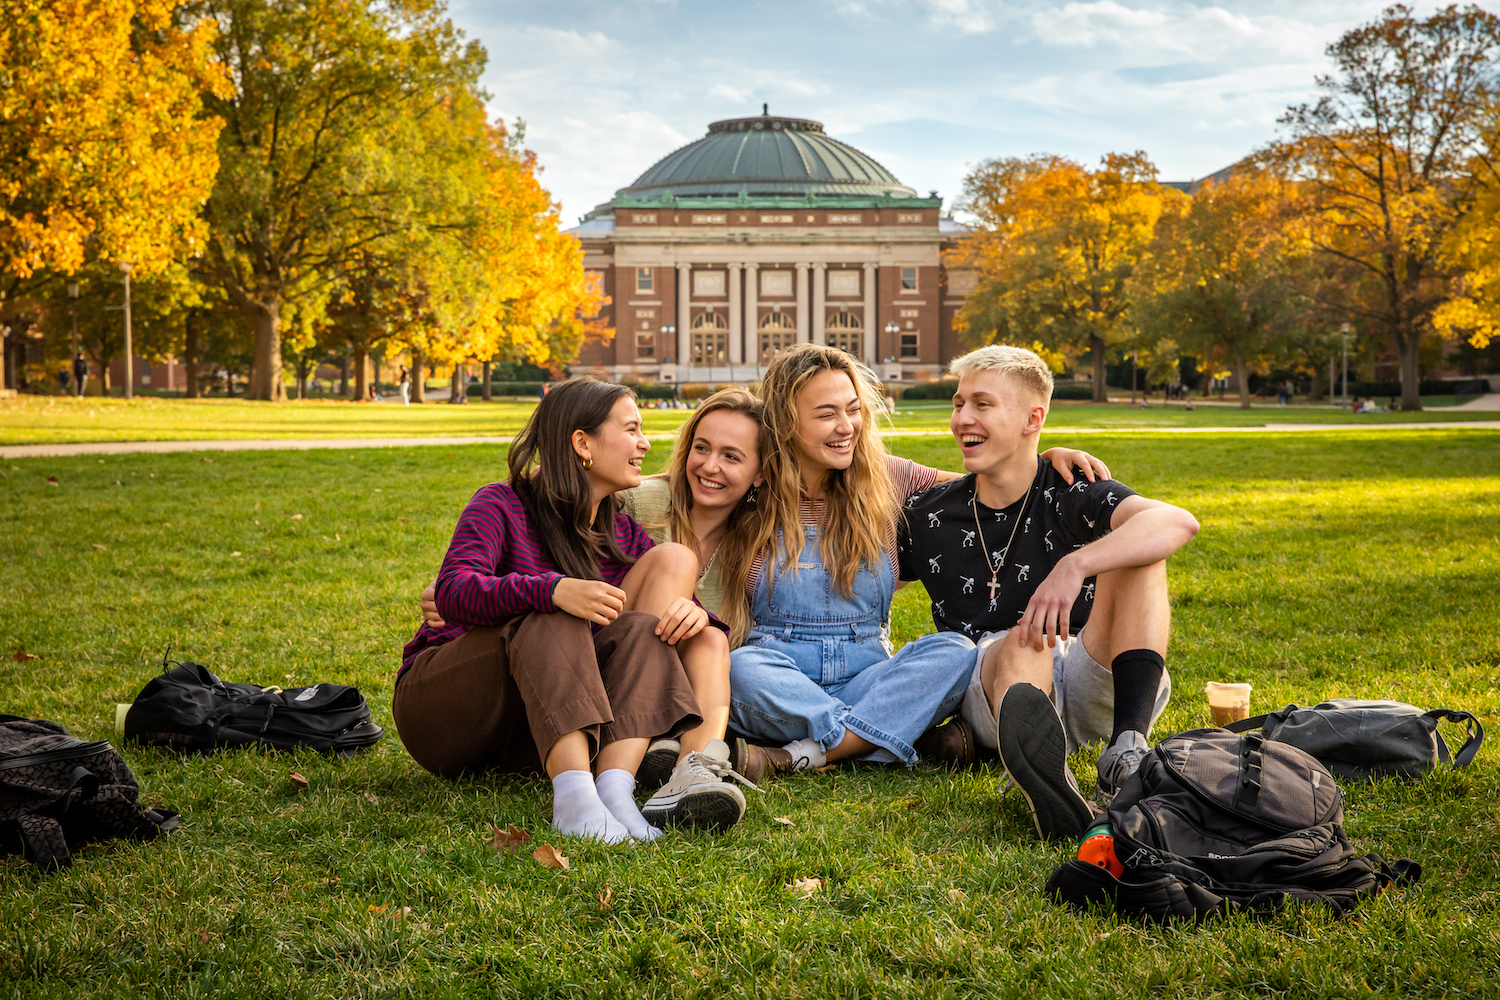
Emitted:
pixel 764 233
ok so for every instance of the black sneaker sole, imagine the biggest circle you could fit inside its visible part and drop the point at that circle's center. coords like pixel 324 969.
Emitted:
pixel 655 770
pixel 706 810
pixel 1033 750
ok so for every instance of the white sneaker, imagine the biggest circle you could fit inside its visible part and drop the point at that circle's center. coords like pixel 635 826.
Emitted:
pixel 697 795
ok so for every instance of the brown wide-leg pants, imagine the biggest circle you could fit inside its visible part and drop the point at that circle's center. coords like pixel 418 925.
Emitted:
pixel 498 698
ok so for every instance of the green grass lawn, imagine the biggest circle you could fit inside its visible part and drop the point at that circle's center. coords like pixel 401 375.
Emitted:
pixel 1328 565
pixel 56 419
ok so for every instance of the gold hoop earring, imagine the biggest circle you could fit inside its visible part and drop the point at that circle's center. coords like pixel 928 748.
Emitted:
pixel 588 463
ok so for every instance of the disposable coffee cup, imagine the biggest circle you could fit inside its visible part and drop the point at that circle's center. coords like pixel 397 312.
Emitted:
pixel 1227 702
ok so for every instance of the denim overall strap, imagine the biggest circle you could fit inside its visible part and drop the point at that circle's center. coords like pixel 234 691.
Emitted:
pixel 806 604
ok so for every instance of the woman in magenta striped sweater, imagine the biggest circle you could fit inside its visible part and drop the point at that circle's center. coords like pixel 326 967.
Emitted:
pixel 565 629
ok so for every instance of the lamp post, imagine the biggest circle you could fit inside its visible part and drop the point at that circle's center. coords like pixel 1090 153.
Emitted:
pixel 129 346
pixel 1344 333
pixel 891 329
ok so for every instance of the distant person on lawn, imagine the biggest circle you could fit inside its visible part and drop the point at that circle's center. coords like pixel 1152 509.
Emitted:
pixel 566 630
pixel 1017 559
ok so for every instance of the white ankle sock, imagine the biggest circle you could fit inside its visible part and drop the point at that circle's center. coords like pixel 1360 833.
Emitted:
pixel 805 754
pixel 577 810
pixel 617 791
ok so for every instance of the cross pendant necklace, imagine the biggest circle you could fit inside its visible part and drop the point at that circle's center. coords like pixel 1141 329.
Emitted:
pixel 996 567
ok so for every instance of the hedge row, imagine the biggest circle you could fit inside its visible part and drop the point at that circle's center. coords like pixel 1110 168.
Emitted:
pixel 1427 387
pixel 945 388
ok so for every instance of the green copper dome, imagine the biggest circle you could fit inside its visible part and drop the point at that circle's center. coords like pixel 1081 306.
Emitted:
pixel 766 156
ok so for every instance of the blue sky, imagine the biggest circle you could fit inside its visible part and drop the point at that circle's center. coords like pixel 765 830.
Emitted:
pixel 927 87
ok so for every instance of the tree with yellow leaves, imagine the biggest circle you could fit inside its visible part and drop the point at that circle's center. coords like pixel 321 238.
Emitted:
pixel 1385 158
pixel 1220 276
pixel 1056 244
pixel 1473 250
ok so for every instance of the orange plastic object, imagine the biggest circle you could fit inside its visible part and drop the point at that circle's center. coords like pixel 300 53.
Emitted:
pixel 1100 850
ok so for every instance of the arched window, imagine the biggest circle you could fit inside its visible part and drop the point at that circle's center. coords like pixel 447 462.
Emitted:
pixel 777 333
pixel 710 338
pixel 844 331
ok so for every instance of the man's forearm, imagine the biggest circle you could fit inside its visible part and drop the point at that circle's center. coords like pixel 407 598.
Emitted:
pixel 1149 536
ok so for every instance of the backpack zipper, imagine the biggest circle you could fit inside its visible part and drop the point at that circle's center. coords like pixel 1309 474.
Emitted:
pixel 76 750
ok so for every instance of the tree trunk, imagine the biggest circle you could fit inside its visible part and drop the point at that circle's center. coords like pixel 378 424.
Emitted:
pixel 266 382
pixel 361 377
pixel 458 394
pixel 1315 394
pixel 344 374
pixel 1242 376
pixel 375 369
pixel 1411 376
pixel 484 385
pixel 1101 391
pixel 190 353
pixel 418 378
pixel 302 368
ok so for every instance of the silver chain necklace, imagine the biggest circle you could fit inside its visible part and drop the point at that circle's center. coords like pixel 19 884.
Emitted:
pixel 995 568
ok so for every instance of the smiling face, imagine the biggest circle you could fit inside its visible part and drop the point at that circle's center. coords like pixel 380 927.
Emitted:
pixel 829 422
pixel 995 420
pixel 723 461
pixel 616 449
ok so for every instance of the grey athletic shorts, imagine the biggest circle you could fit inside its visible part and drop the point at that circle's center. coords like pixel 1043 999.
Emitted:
pixel 1082 690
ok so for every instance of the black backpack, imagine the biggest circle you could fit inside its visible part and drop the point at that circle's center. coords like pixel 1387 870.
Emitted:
pixel 58 792
pixel 1363 740
pixel 1214 822
pixel 188 708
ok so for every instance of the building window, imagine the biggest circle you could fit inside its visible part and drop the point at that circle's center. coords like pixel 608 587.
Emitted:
pixel 908 279
pixel 777 333
pixel 709 218
pixel 643 218
pixel 908 217
pixel 843 220
pixel 645 344
pixel 644 280
pixel 775 220
pixel 843 282
pixel 710 339
pixel 845 332
pixel 908 345
pixel 708 283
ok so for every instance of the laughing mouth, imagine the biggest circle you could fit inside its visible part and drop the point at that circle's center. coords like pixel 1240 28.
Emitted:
pixel 971 440
pixel 709 485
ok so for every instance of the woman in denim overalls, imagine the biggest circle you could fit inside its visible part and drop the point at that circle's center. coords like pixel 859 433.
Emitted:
pixel 816 670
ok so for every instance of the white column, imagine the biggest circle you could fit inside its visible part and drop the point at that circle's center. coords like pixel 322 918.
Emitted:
pixel 871 321
pixel 802 325
pixel 684 315
pixel 820 303
pixel 736 338
pixel 752 313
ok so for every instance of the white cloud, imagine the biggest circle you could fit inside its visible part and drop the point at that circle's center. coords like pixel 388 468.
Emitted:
pixel 730 95
pixel 970 17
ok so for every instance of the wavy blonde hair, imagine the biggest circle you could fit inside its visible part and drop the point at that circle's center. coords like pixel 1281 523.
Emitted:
pixel 744 526
pixel 860 517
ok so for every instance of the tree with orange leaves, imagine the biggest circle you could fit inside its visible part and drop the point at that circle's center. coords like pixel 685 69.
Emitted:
pixel 104 151
pixel 1055 246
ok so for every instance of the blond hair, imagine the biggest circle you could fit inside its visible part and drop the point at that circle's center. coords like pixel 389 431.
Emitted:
pixel 860 518
pixel 743 527
pixel 1024 367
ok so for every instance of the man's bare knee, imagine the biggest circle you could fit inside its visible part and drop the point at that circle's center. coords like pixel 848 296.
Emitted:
pixel 1010 662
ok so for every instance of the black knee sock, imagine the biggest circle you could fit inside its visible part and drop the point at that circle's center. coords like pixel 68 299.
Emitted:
pixel 1137 675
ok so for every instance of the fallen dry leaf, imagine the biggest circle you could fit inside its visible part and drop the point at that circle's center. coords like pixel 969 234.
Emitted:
pixel 783 820
pixel 296 517
pixel 912 804
pixel 396 914
pixel 203 936
pixel 118 483
pixel 372 797
pixel 332 882
pixel 297 779
pixel 956 894
pixel 21 656
pixel 549 857
pixel 234 555
pixel 101 548
pixel 51 480
pixel 404 520
pixel 604 898
pixel 698 973
pixel 825 768
pixel 508 840
pixel 209 461
pixel 806 886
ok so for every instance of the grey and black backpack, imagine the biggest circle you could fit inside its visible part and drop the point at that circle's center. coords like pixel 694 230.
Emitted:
pixel 58 792
pixel 1214 822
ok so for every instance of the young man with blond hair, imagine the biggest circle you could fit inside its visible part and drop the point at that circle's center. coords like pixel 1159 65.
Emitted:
pixel 1019 558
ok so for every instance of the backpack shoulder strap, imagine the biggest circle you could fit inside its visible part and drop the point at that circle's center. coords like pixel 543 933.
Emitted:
pixel 1473 726
pixel 1245 725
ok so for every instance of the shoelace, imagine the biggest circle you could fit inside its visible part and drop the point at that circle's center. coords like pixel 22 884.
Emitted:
pixel 713 769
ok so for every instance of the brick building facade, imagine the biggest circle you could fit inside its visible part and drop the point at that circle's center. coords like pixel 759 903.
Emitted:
pixel 762 234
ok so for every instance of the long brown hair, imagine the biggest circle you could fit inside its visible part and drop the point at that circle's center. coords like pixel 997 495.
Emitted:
pixel 556 494
pixel 860 518
pixel 743 527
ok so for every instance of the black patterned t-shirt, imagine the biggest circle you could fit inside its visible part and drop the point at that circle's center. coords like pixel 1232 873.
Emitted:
pixel 940 544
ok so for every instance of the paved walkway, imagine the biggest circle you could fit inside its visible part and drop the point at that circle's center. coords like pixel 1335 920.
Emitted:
pixel 334 444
